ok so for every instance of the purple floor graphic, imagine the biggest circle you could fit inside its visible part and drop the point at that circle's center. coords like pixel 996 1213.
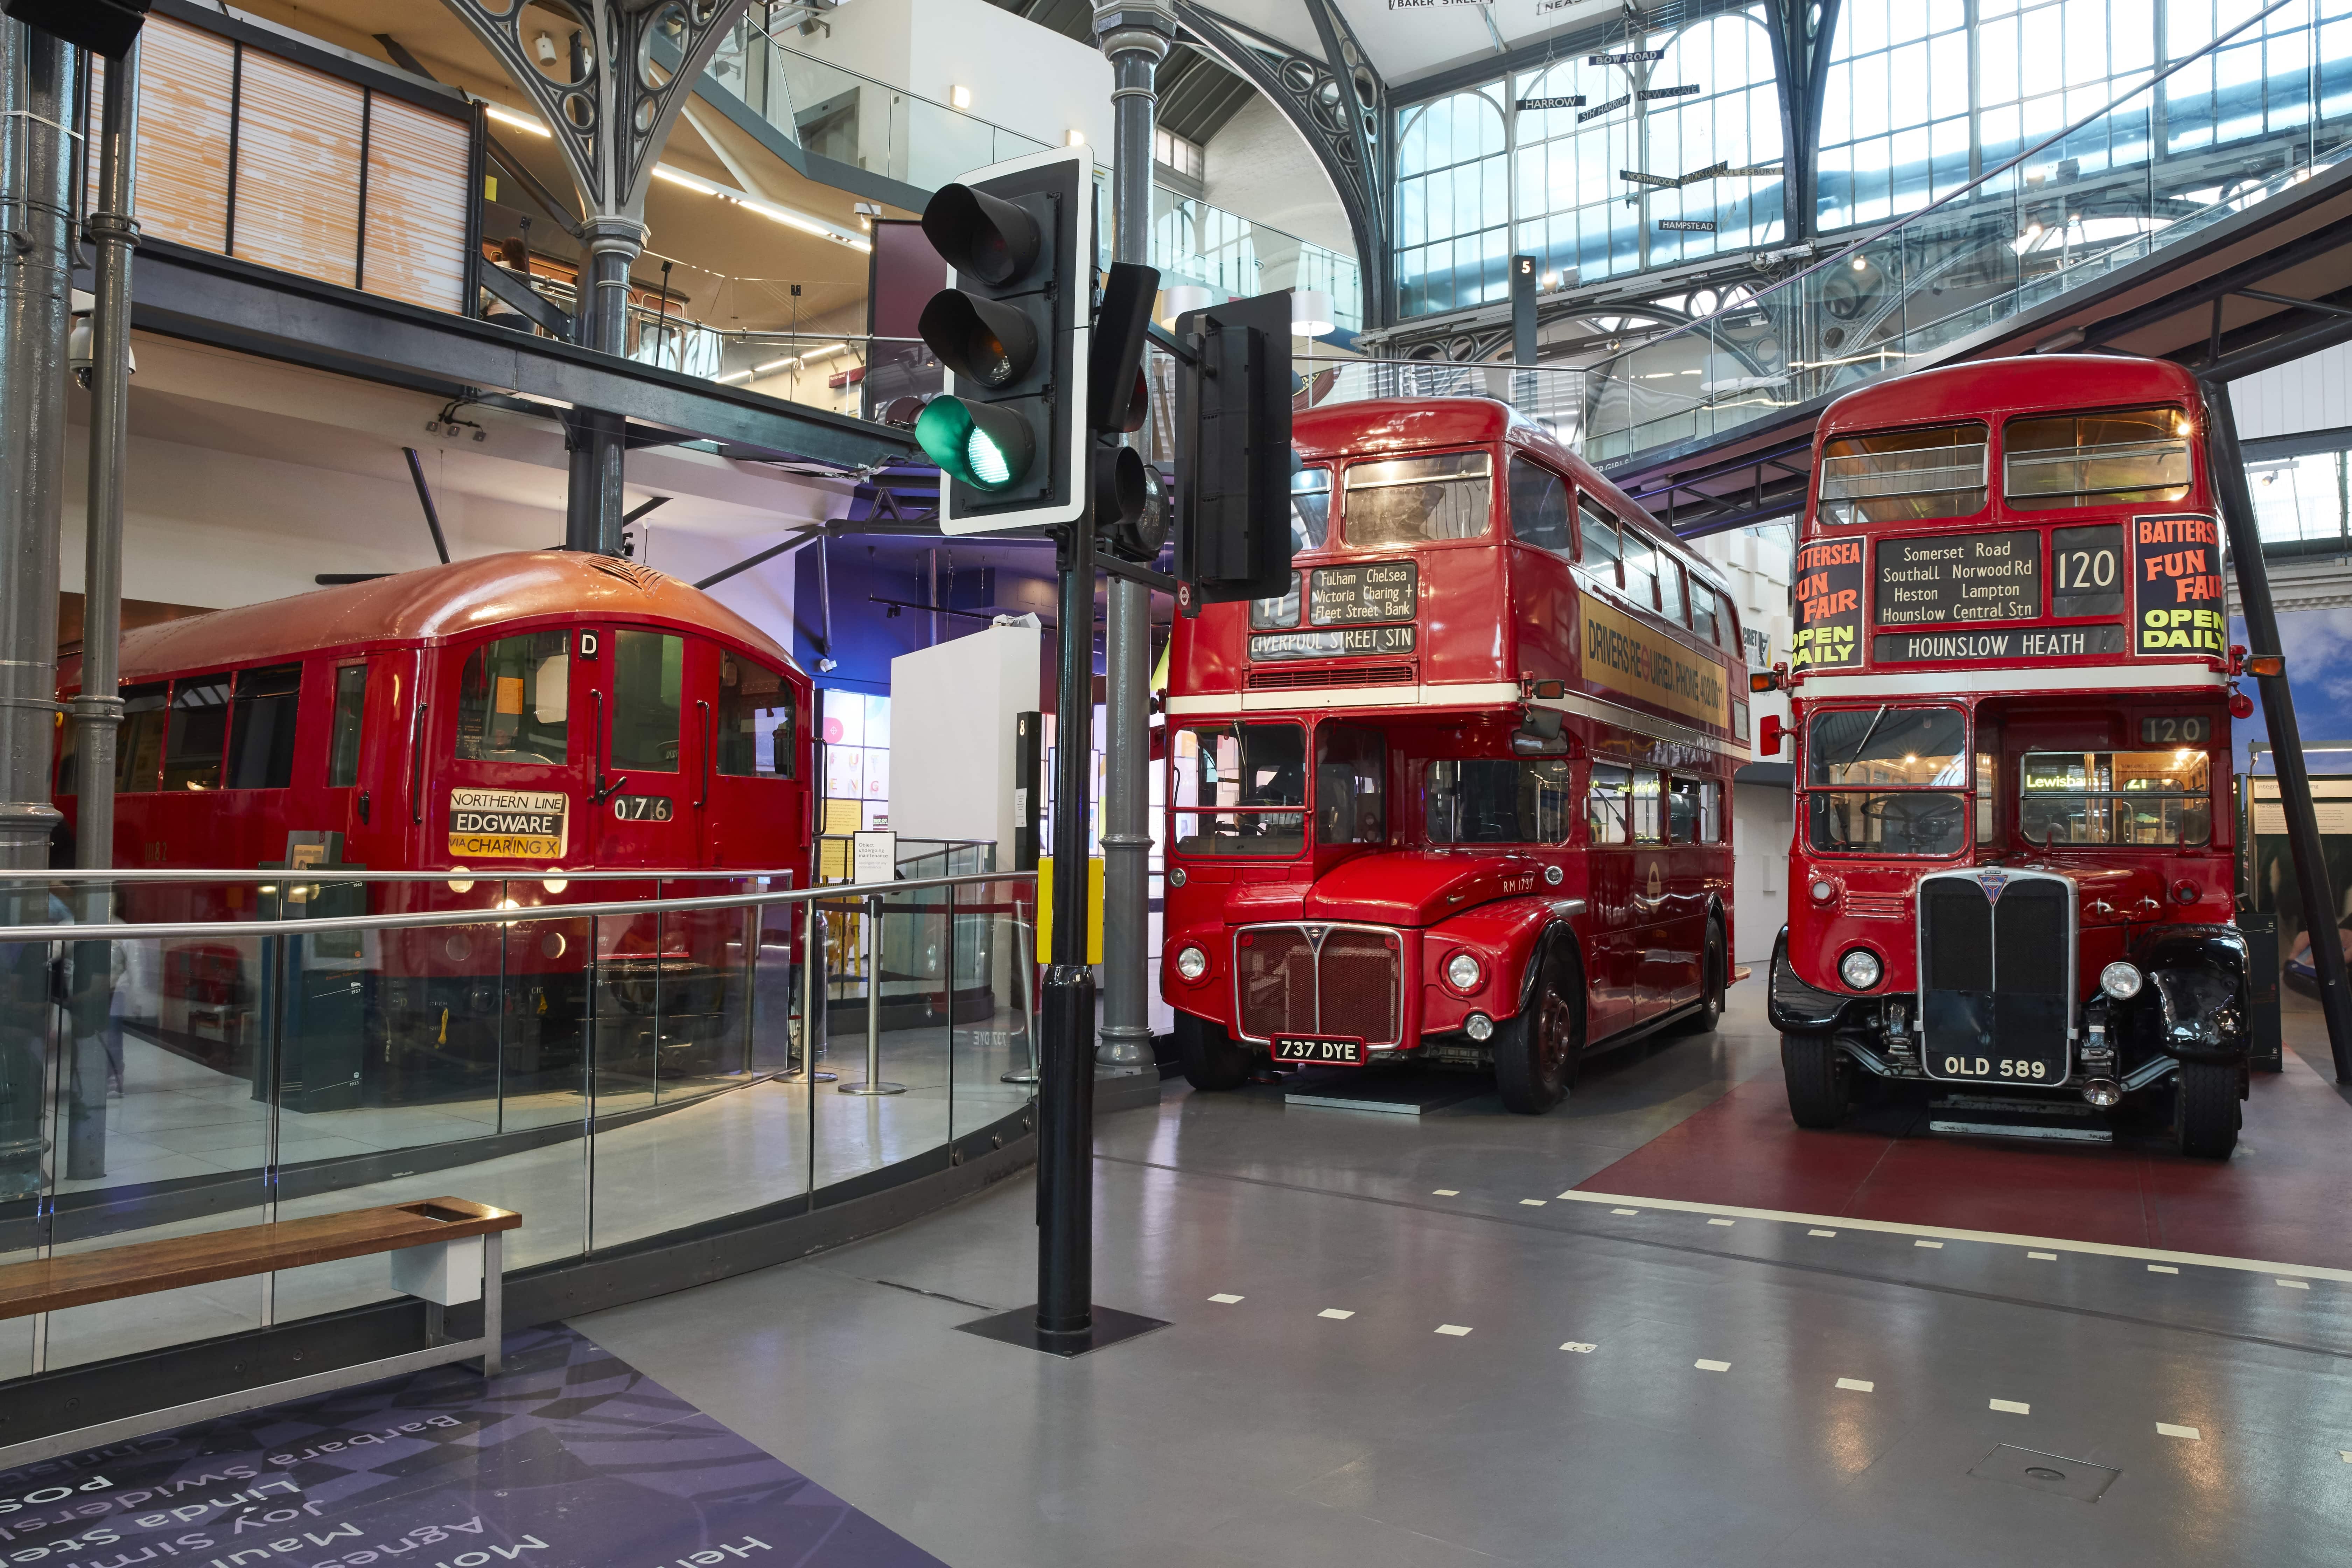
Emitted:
pixel 570 1458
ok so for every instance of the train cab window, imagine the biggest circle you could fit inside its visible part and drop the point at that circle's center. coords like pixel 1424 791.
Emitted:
pixel 1600 549
pixel 1887 781
pixel 1670 590
pixel 193 739
pixel 1684 814
pixel 1608 804
pixel 1310 509
pixel 351 709
pixel 1352 772
pixel 1904 475
pixel 2122 457
pixel 1649 819
pixel 757 736
pixel 1240 789
pixel 1641 567
pixel 139 746
pixel 1481 800
pixel 2160 798
pixel 261 726
pixel 648 683
pixel 1538 506
pixel 1702 617
pixel 513 701
pixel 1418 501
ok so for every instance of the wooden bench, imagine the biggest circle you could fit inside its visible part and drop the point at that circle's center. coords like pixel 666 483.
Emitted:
pixel 445 1251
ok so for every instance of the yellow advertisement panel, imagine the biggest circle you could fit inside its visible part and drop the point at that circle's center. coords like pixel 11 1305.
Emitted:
pixel 1625 656
pixel 1045 909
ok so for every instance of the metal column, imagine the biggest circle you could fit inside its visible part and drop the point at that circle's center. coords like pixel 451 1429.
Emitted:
pixel 1136 38
pixel 2229 471
pixel 37 83
pixel 598 441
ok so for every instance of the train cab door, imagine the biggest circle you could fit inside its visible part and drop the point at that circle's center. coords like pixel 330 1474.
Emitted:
pixel 751 761
pixel 499 784
pixel 365 692
pixel 645 760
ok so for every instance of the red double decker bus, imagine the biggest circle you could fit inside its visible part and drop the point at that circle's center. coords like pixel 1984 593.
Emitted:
pixel 2011 691
pixel 1463 794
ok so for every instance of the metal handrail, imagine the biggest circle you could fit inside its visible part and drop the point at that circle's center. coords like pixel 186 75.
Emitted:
pixel 357 874
pixel 428 919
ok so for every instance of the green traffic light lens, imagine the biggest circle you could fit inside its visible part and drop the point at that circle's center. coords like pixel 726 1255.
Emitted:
pixel 987 448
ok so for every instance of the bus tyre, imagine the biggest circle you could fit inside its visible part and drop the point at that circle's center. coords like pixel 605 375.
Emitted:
pixel 1211 1058
pixel 2205 1118
pixel 1535 1053
pixel 1714 978
pixel 1816 1072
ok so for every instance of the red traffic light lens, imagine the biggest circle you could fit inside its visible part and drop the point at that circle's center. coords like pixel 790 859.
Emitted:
pixel 984 236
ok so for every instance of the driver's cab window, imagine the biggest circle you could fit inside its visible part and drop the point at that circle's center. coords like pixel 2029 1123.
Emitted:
pixel 514 700
pixel 1887 781
pixel 756 732
pixel 1240 789
pixel 1351 786
pixel 648 677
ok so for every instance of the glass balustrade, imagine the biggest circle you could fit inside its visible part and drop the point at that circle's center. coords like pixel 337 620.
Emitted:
pixel 613 1076
pixel 2110 189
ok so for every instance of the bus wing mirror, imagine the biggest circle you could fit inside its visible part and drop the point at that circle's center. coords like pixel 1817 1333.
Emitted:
pixel 1768 735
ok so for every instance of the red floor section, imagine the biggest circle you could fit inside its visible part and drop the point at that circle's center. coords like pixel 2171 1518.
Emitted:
pixel 2280 1198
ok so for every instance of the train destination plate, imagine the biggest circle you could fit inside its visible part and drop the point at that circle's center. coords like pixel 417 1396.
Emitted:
pixel 1347 644
pixel 1959 577
pixel 1319 1050
pixel 507 824
pixel 1377 591
pixel 2065 642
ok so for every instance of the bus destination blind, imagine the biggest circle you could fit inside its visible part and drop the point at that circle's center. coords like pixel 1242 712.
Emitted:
pixel 1377 591
pixel 1959 577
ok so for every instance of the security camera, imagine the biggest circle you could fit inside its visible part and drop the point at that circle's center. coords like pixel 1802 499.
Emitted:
pixel 80 356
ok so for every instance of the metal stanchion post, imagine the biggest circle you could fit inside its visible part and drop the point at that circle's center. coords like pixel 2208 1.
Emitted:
pixel 1023 949
pixel 873 1084
pixel 814 1005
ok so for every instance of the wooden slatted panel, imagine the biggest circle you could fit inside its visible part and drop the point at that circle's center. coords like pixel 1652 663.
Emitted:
pixel 416 205
pixel 185 79
pixel 297 170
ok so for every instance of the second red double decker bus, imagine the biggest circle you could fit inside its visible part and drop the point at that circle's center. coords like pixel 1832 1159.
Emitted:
pixel 1463 793
pixel 2011 875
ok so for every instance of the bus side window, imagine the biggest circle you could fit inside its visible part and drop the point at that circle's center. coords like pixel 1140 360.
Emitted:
pixel 1607 815
pixel 351 709
pixel 1641 564
pixel 262 730
pixel 1703 618
pixel 1599 555
pixel 1683 811
pixel 196 736
pixel 1649 825
pixel 1538 506
pixel 756 735
pixel 1710 818
pixel 1670 589
pixel 138 750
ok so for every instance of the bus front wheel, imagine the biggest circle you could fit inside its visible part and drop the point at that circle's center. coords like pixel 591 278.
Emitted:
pixel 1210 1057
pixel 1816 1071
pixel 1535 1053
pixel 2205 1121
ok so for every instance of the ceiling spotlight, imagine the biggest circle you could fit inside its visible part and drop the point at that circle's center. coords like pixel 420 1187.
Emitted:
pixel 543 47
pixel 1861 264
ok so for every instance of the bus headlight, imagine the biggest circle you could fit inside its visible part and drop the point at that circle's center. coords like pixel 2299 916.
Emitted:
pixel 1860 969
pixel 1192 963
pixel 2121 981
pixel 1462 972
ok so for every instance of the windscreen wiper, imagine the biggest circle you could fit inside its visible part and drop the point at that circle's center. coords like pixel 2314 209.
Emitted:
pixel 1875 720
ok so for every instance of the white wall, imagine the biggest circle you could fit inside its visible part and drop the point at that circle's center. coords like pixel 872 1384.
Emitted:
pixel 952 709
pixel 1762 817
pixel 2314 393
pixel 1258 167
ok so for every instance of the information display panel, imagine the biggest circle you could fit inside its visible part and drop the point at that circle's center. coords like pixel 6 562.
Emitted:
pixel 1957 577
pixel 1379 591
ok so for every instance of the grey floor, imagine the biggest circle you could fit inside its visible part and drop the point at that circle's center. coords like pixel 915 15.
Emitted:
pixel 1392 1342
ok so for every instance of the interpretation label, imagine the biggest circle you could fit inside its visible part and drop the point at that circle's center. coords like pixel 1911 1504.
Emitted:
pixel 1959 577
pixel 507 824
pixel 2176 585
pixel 1380 591
pixel 2065 642
pixel 1829 605
pixel 1347 644
pixel 1625 656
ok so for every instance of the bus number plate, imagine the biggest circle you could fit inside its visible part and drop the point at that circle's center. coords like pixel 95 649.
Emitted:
pixel 642 807
pixel 2189 730
pixel 1316 1050
pixel 1997 1067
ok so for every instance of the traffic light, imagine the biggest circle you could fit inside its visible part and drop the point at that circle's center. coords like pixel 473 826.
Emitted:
pixel 1233 453
pixel 1012 330
pixel 1130 513
pixel 103 26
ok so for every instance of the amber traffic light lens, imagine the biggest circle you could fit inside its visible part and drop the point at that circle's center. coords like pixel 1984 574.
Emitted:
pixel 979 340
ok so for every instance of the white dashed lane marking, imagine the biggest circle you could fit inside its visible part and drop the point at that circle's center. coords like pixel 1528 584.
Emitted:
pixel 1723 1222
pixel 1456 1329
pixel 2166 1429
pixel 2012 1406
pixel 2044 1256
pixel 2162 1268
pixel 1821 1232
pixel 1445 1193
pixel 2293 1284
pixel 1224 1300
pixel 1624 1211
pixel 1712 1365
pixel 1579 1347
pixel 1858 1384
pixel 1335 1312
pixel 1531 1203
pixel 1931 1244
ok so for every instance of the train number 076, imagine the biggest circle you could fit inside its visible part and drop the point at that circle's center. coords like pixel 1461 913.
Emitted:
pixel 1984 1067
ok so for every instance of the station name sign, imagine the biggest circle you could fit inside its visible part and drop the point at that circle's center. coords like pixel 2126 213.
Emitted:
pixel 1379 591
pixel 1637 660
pixel 2176 585
pixel 1959 577
pixel 2063 642
pixel 507 824
pixel 1829 605
pixel 1533 105
pixel 1351 643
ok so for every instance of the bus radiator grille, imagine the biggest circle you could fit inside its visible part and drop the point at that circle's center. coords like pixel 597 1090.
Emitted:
pixel 1356 980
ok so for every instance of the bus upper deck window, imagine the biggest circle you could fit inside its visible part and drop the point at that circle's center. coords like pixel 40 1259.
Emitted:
pixel 261 729
pixel 648 670
pixel 1416 500
pixel 351 710
pixel 1641 568
pixel 2122 457
pixel 1601 547
pixel 1670 589
pixel 1904 475
pixel 138 746
pixel 756 736
pixel 192 742
pixel 1703 618
pixel 1310 509
pixel 514 700
pixel 1539 505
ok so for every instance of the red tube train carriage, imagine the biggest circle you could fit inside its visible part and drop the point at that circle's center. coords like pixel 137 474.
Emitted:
pixel 515 717
pixel 2011 878
pixel 1463 794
